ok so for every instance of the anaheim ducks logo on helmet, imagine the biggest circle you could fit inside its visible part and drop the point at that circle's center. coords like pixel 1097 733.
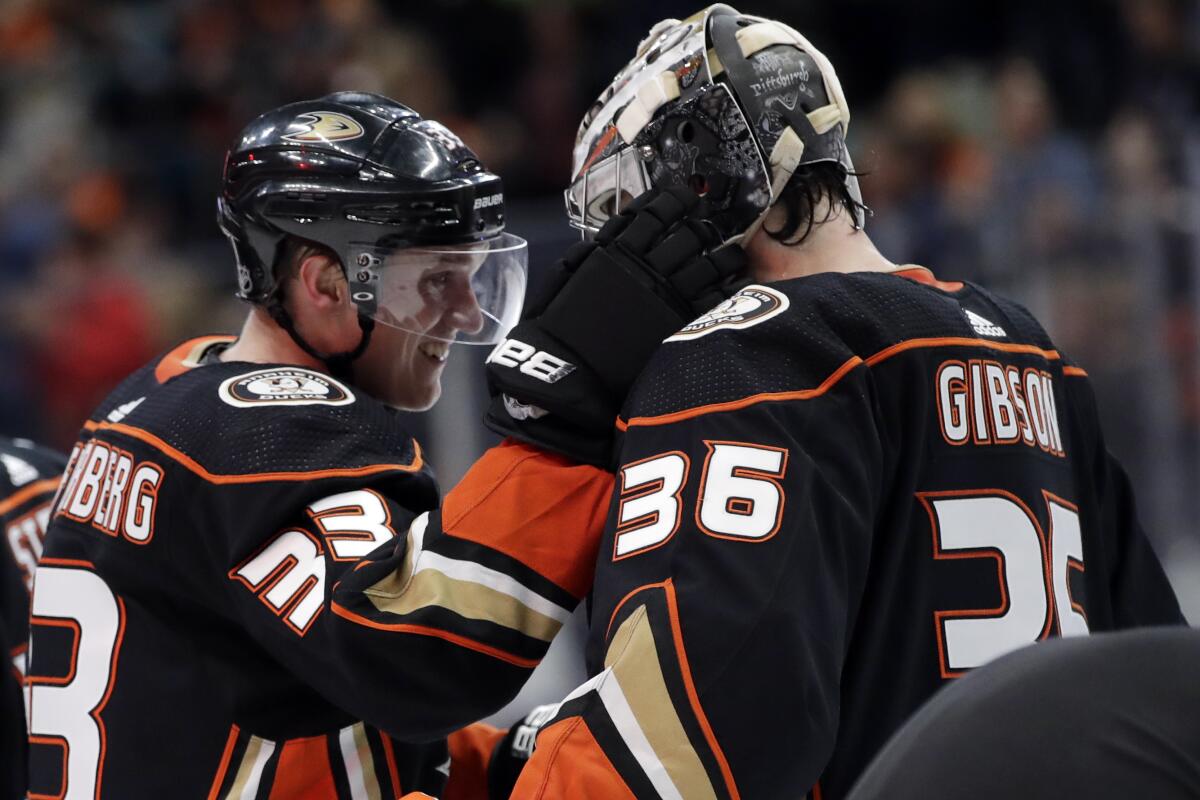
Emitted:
pixel 323 126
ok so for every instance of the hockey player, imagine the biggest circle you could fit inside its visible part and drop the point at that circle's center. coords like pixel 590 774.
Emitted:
pixel 249 588
pixel 840 489
pixel 28 478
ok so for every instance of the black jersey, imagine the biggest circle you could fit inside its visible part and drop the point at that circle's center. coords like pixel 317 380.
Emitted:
pixel 836 494
pixel 28 477
pixel 225 609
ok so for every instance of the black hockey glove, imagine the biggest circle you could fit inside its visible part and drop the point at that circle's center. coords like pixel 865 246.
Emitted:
pixel 560 378
pixel 514 750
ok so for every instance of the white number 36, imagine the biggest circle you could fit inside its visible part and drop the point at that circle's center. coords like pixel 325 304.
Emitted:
pixel 740 496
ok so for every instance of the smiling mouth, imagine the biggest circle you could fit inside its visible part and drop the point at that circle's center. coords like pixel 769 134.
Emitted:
pixel 437 351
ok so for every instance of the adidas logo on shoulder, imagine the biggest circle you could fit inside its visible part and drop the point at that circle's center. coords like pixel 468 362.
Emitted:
pixel 982 326
pixel 122 411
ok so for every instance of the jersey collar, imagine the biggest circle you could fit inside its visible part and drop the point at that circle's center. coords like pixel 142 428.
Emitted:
pixel 187 356
pixel 919 274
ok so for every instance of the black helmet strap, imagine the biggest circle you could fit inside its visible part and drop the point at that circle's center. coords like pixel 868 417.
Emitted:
pixel 340 365
pixel 742 76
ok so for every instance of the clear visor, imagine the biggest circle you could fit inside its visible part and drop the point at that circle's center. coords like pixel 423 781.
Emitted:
pixel 467 294
pixel 604 188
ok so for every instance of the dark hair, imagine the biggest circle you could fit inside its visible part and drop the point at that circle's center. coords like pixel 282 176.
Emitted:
pixel 291 254
pixel 803 194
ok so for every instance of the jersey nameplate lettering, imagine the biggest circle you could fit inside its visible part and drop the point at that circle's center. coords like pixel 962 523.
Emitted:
pixel 284 387
pixel 985 402
pixel 747 308
pixel 25 535
pixel 105 486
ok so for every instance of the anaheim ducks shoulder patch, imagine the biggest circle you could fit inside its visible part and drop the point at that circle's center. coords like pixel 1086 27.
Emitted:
pixel 284 386
pixel 747 308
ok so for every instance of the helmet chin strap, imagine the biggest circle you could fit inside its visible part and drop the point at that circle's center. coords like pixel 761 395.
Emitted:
pixel 340 365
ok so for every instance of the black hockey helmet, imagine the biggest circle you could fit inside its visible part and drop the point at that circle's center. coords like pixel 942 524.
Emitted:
pixel 393 195
pixel 726 103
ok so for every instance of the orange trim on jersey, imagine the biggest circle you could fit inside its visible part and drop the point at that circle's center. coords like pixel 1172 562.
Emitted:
pixel 112 682
pixel 76 637
pixel 389 754
pixel 185 356
pixel 733 405
pixel 352 535
pixel 693 696
pixel 585 773
pixel 303 771
pixel 1076 372
pixel 53 741
pixel 223 767
pixel 646 520
pixel 631 593
pixel 543 510
pixel 280 571
pixel 96 712
pixel 919 274
pixel 961 341
pixel 668 587
pixel 1072 563
pixel 925 498
pixel 67 562
pixel 470 750
pixel 421 630
pixel 27 493
pixel 743 472
pixel 838 374
pixel 255 477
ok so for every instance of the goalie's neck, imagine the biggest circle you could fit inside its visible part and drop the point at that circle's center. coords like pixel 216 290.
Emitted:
pixel 832 246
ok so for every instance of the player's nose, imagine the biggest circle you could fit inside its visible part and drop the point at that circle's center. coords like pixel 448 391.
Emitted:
pixel 463 311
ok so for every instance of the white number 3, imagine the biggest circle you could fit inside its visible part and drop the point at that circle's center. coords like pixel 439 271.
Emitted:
pixel 1032 570
pixel 66 712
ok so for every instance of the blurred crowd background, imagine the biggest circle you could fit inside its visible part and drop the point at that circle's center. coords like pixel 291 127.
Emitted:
pixel 1049 149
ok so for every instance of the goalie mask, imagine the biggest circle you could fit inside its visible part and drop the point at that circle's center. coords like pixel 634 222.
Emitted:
pixel 411 213
pixel 725 103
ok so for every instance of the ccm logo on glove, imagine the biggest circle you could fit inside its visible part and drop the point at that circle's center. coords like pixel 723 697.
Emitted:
pixel 531 361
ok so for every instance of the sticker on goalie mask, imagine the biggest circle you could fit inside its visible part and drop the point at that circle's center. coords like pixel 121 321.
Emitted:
pixel 747 308
pixel 287 386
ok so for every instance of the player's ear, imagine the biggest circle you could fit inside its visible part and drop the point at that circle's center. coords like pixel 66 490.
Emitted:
pixel 321 280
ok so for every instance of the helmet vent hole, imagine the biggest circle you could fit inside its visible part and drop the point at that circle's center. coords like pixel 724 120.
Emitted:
pixel 686 131
pixel 698 184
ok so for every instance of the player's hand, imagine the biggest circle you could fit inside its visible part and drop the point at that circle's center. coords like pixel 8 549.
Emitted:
pixel 560 378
